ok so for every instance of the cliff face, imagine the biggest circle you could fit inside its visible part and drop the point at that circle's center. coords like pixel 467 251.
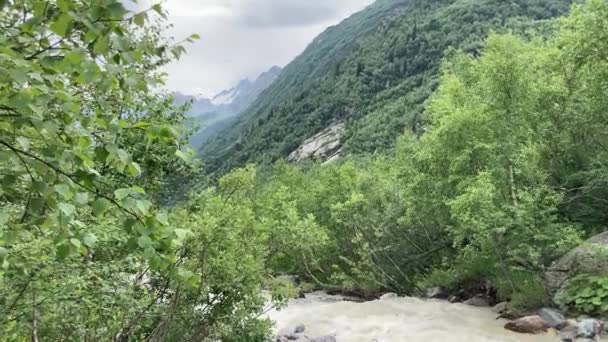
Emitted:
pixel 323 146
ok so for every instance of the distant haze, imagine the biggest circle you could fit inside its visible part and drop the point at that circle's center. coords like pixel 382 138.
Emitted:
pixel 242 38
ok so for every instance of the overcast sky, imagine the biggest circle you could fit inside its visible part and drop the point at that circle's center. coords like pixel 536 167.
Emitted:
pixel 242 38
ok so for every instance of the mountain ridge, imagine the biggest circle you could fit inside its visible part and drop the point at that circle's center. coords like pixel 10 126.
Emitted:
pixel 215 113
pixel 373 71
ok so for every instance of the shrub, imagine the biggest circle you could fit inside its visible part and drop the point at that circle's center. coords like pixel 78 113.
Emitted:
pixel 587 295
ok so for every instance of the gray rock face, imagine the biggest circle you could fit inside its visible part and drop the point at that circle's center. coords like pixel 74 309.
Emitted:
pixel 477 301
pixel 589 258
pixel 323 146
pixel 552 317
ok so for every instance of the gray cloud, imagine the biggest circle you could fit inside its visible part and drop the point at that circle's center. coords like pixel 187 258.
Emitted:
pixel 281 13
pixel 242 38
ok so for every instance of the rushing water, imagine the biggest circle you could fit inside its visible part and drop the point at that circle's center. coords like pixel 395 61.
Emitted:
pixel 396 320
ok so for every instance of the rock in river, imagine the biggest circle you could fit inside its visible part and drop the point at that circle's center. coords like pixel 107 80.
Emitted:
pixel 528 325
pixel 552 317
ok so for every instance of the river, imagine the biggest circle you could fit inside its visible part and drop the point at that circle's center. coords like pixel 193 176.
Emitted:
pixel 396 320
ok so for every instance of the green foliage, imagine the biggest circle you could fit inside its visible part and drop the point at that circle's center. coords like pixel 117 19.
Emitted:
pixel 587 295
pixel 374 71
pixel 508 176
pixel 488 193
pixel 90 149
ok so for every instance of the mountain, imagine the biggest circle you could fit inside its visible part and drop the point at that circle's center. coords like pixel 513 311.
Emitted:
pixel 372 72
pixel 214 114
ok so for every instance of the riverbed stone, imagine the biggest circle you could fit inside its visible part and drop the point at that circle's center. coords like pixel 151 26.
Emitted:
pixel 554 318
pixel 528 325
pixel 477 301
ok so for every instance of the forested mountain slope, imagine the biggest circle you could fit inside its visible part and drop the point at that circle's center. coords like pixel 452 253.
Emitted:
pixel 373 71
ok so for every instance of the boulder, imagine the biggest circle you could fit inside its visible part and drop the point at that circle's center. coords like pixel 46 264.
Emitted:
pixel 589 258
pixel 436 292
pixel 477 301
pixel 528 325
pixel 300 328
pixel 552 317
pixel 589 328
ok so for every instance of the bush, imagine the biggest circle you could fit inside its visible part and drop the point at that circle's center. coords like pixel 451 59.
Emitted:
pixel 587 295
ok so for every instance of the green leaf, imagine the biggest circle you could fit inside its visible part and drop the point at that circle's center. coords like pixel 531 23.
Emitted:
pixel 66 208
pixel 61 26
pixel 100 206
pixel 182 234
pixel 117 10
pixel 19 76
pixel 89 240
pixel 195 36
pixel 140 19
pixel 82 198
pixel 143 206
pixel 138 189
pixel 134 169
pixel 101 45
pixel 157 8
pixel 3 253
pixel 64 190
pixel 144 242
pixel 24 143
pixel 162 218
pixel 121 194
pixel 74 58
pixel 183 156
pixel 64 5
pixel 123 156
pixel 76 243
pixel 63 251
pixel 141 124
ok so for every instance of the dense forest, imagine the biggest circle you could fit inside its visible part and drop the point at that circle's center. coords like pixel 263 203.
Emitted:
pixel 507 173
pixel 374 71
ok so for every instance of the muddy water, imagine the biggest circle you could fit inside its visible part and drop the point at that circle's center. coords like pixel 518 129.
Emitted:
pixel 396 320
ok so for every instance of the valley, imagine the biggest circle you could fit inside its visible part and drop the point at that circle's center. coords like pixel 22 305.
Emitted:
pixel 424 170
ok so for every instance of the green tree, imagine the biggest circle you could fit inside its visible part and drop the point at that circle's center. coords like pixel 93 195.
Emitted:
pixel 84 135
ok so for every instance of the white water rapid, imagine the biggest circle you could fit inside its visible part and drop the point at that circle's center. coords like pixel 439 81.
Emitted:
pixel 396 320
